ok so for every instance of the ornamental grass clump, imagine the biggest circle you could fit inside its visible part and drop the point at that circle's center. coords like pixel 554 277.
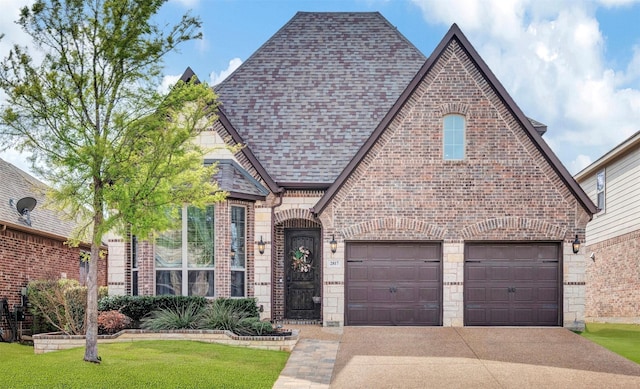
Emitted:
pixel 178 317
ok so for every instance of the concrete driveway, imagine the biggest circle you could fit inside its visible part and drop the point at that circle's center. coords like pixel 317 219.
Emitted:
pixel 436 357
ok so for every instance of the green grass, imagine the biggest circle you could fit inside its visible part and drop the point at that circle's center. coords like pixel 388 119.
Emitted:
pixel 144 364
pixel 623 339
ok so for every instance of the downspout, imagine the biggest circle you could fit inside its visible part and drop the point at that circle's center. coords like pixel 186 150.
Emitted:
pixel 273 250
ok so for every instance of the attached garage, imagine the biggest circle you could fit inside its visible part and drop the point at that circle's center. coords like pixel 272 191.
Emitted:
pixel 393 283
pixel 513 284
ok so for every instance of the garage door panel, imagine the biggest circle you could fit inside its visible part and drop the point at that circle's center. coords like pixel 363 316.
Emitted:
pixel 548 273
pixel 548 295
pixel 524 294
pixel 381 273
pixel 358 294
pixel 403 284
pixel 358 273
pixel 498 295
pixel 407 273
pixel 476 272
pixel 512 284
pixel 497 273
pixel 429 294
pixel 524 273
pixel 476 294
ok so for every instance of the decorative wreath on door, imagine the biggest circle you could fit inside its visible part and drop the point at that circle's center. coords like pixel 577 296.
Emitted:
pixel 300 260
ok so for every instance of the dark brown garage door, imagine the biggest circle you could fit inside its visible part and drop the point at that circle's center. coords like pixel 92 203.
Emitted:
pixel 512 284
pixel 394 283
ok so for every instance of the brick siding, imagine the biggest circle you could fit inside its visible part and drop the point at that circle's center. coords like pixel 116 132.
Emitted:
pixel 613 279
pixel 26 257
pixel 504 189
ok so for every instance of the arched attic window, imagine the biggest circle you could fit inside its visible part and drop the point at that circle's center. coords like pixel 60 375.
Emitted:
pixel 454 137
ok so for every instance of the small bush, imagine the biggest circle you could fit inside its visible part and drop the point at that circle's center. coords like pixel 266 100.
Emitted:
pixel 110 322
pixel 220 316
pixel 178 317
pixel 137 307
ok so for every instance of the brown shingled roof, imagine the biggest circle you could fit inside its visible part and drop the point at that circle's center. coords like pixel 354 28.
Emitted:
pixel 17 184
pixel 309 98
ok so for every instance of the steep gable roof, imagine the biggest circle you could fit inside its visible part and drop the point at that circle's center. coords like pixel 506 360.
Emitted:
pixel 17 184
pixel 306 101
pixel 530 128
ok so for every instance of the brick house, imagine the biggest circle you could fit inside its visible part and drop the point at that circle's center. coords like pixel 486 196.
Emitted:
pixel 377 186
pixel 613 236
pixel 33 246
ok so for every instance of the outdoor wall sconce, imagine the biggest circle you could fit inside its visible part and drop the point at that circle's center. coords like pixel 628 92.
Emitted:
pixel 576 245
pixel 261 246
pixel 333 244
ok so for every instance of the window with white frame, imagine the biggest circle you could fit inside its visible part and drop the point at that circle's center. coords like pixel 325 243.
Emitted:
pixel 600 189
pixel 238 251
pixel 453 137
pixel 184 257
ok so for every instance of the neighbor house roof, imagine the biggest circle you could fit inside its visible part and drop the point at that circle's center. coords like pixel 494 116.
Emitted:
pixel 17 184
pixel 530 128
pixel 631 143
pixel 306 101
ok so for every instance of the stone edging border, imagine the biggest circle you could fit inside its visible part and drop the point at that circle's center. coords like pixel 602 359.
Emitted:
pixel 44 343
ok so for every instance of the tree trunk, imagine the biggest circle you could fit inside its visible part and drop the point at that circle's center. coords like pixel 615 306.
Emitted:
pixel 91 315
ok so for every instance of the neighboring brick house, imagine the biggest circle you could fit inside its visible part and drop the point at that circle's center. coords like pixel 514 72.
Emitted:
pixel 419 192
pixel 33 247
pixel 613 236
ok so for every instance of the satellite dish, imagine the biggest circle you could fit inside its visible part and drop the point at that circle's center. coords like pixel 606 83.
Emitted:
pixel 24 206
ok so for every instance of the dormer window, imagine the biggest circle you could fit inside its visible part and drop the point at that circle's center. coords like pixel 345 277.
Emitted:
pixel 454 137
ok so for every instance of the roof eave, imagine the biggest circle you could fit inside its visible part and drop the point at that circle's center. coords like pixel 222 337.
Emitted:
pixel 624 147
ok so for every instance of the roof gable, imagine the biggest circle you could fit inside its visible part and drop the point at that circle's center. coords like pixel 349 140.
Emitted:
pixel 307 100
pixel 531 131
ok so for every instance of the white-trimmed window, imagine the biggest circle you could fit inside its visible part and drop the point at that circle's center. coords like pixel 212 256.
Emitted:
pixel 187 269
pixel 601 183
pixel 238 250
pixel 453 137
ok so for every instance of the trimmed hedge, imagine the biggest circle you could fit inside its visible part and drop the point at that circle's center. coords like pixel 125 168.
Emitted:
pixel 137 307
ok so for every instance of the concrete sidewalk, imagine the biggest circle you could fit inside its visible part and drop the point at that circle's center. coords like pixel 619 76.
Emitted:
pixel 424 357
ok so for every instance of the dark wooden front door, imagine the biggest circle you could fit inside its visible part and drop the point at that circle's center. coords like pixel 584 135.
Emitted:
pixel 302 279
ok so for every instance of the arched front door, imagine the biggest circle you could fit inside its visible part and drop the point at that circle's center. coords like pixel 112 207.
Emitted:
pixel 303 263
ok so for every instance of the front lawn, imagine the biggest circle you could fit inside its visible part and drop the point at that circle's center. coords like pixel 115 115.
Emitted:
pixel 143 364
pixel 623 339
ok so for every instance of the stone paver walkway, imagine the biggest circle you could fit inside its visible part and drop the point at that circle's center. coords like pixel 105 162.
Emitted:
pixel 311 362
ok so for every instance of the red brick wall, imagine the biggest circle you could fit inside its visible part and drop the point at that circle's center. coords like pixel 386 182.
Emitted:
pixel 25 257
pixel 503 189
pixel 613 278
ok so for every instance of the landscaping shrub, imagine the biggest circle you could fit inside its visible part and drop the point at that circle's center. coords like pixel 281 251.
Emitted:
pixel 58 305
pixel 246 305
pixel 221 316
pixel 137 307
pixel 110 322
pixel 178 317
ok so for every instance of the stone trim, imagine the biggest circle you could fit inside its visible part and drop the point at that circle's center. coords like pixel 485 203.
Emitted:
pixel 293 213
pixel 44 343
pixel 394 223
pixel 515 223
